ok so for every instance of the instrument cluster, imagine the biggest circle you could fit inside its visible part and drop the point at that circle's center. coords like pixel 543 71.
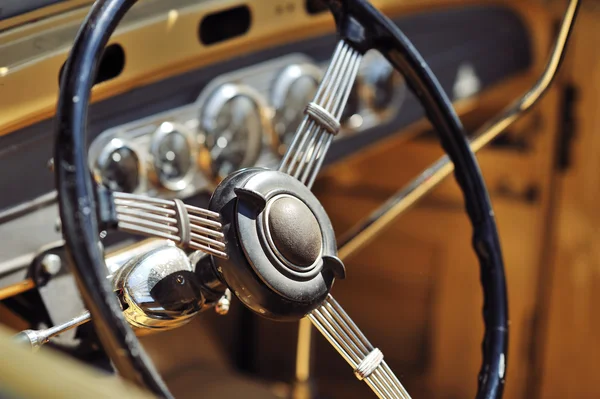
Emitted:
pixel 241 119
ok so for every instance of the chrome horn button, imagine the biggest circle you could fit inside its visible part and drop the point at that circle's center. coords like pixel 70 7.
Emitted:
pixel 280 242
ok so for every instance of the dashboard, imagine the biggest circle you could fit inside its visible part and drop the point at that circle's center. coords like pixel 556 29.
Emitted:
pixel 12 8
pixel 243 118
pixel 178 136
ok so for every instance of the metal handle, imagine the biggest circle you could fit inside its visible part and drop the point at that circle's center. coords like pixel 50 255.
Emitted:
pixel 37 338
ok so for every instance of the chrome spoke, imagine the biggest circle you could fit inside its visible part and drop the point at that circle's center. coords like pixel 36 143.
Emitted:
pixel 321 123
pixel 366 361
pixel 366 230
pixel 188 226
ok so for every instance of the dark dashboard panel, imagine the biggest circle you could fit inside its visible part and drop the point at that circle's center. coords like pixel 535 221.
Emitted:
pixel 12 8
pixel 488 42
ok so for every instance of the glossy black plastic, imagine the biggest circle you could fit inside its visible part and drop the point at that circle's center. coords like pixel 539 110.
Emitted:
pixel 364 28
pixel 77 197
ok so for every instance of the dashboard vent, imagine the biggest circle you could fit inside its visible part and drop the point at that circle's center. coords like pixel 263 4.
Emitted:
pixel 111 64
pixel 315 6
pixel 224 25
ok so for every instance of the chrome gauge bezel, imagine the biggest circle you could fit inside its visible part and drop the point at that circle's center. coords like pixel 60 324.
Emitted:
pixel 103 156
pixel 165 129
pixel 142 135
pixel 281 90
pixel 209 111
pixel 367 91
pixel 367 113
pixel 267 85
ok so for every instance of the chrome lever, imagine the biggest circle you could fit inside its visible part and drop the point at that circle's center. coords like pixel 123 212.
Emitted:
pixel 37 338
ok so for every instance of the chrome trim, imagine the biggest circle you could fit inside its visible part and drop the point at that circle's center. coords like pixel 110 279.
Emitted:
pixel 160 218
pixel 304 157
pixel 322 117
pixel 37 338
pixel 137 278
pixel 104 157
pixel 210 111
pixel 280 93
pixel 369 364
pixel 164 130
pixel 372 115
pixel 118 257
pixel 347 339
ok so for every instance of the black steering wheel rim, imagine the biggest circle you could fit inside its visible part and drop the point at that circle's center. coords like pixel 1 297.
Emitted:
pixel 365 28
pixel 362 27
pixel 77 197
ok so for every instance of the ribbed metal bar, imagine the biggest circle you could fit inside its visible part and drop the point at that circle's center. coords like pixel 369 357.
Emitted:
pixel 142 222
pixel 313 138
pixel 121 210
pixel 166 219
pixel 343 334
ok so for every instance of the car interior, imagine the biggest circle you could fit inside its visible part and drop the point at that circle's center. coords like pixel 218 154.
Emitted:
pixel 299 199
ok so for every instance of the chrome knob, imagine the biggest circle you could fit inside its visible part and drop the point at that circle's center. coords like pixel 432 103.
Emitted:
pixel 159 290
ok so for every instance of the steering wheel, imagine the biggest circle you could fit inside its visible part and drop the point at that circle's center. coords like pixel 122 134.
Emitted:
pixel 269 239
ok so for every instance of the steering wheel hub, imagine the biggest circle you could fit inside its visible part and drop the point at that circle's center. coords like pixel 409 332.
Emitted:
pixel 281 245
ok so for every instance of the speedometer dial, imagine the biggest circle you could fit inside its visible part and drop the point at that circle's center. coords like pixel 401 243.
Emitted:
pixel 233 122
pixel 294 88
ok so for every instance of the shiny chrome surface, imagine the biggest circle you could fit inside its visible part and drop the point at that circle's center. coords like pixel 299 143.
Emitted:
pixel 303 160
pixel 37 338
pixel 294 87
pixel 240 119
pixel 115 259
pixel 188 226
pixel 118 166
pixel 158 290
pixel 232 124
pixel 51 264
pixel 223 304
pixel 367 362
pixel 173 151
pixel 306 154
pixel 383 88
pixel 366 230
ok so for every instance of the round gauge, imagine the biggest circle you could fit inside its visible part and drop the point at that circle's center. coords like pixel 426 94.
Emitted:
pixel 233 122
pixel 384 86
pixel 294 88
pixel 173 156
pixel 119 167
